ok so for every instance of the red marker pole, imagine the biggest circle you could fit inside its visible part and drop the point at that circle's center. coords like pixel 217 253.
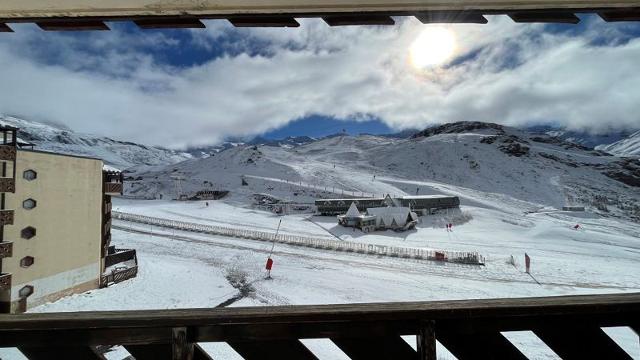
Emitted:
pixel 269 260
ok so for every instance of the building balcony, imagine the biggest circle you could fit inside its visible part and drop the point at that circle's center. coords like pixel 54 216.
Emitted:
pixel 6 217
pixel 7 185
pixel 107 208
pixel 6 249
pixel 111 188
pixel 7 153
pixel 5 281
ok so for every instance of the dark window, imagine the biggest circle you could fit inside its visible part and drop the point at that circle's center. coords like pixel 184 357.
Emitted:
pixel 28 232
pixel 29 175
pixel 27 261
pixel 26 291
pixel 29 204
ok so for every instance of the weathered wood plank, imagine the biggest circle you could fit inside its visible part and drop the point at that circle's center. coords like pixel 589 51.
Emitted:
pixel 391 347
pixel 488 346
pixel 72 25
pixel 592 305
pixel 451 17
pixel 272 350
pixel 583 342
pixel 620 15
pixel 169 23
pixel 181 344
pixel 427 341
pixel 150 352
pixel 264 21
pixel 70 353
pixel 545 17
pixel 346 20
pixel 200 354
pixel 27 9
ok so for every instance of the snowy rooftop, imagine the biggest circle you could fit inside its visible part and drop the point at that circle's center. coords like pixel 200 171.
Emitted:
pixel 110 168
pixel 418 197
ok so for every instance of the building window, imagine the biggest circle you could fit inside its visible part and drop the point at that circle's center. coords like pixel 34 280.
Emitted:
pixel 28 232
pixel 29 175
pixel 27 261
pixel 29 204
pixel 26 291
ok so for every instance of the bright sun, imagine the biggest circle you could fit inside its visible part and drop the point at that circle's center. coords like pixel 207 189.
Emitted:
pixel 433 47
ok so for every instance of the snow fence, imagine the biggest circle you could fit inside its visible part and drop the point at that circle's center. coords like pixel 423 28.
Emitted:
pixel 462 257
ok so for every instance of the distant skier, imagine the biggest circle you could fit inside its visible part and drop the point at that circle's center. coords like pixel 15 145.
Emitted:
pixel 450 227
pixel 206 203
pixel 417 190
pixel 577 227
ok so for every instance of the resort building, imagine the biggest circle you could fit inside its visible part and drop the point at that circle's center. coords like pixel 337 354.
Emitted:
pixel 389 217
pixel 421 204
pixel 55 223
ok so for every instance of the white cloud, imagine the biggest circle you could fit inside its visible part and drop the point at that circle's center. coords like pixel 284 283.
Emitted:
pixel 110 83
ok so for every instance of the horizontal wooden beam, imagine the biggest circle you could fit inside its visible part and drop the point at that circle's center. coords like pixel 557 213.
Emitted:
pixel 264 21
pixel 620 15
pixel 545 17
pixel 451 17
pixel 326 321
pixel 592 305
pixel 17 9
pixel 169 23
pixel 72 25
pixel 346 20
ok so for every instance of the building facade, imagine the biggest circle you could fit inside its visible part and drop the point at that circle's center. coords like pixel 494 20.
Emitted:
pixel 421 204
pixel 55 224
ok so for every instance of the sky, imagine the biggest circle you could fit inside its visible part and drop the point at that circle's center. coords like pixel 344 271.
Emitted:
pixel 180 88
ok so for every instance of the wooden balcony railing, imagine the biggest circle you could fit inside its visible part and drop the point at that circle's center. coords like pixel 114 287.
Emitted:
pixel 7 152
pixel 6 249
pixel 470 329
pixel 7 185
pixel 113 188
pixel 6 217
pixel 5 281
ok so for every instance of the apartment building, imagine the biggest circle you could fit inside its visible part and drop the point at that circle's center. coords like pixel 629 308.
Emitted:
pixel 55 223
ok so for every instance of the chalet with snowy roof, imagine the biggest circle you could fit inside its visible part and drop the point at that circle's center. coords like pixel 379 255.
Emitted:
pixel 388 217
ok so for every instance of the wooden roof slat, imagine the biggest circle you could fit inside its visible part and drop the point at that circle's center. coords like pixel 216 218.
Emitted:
pixel 388 347
pixel 584 342
pixel 346 20
pixel 544 17
pixel 5 28
pixel 492 345
pixel 452 17
pixel 283 349
pixel 264 21
pixel 72 25
pixel 169 23
pixel 620 15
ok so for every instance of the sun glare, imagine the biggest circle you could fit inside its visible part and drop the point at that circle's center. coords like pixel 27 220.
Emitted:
pixel 433 47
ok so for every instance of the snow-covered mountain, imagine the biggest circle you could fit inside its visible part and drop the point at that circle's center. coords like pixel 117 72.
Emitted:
pixel 583 138
pixel 121 154
pixel 461 158
pixel 629 146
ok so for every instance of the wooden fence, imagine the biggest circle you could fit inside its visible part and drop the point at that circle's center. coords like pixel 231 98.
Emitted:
pixel 463 257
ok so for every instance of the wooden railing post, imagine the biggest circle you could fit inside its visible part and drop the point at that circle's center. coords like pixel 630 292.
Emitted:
pixel 181 345
pixel 427 340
